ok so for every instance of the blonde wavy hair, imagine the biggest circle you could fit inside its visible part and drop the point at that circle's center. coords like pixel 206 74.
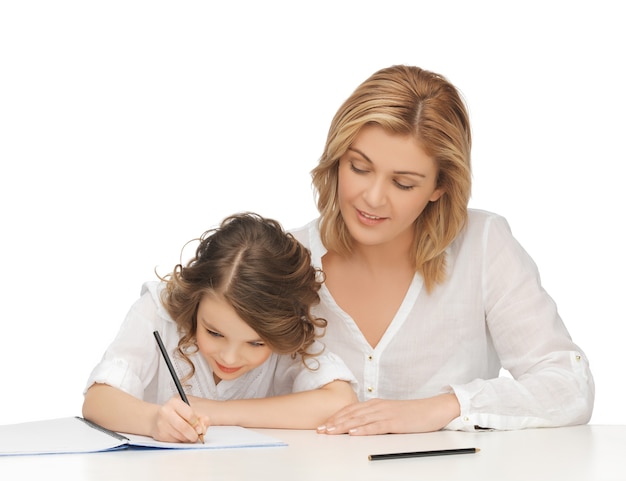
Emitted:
pixel 404 100
pixel 264 273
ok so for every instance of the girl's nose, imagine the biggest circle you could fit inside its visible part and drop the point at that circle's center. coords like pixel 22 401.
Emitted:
pixel 230 355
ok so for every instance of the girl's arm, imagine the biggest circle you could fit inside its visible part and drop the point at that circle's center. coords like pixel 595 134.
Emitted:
pixel 300 410
pixel 118 411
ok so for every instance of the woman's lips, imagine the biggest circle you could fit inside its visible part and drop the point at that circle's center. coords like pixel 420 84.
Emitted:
pixel 369 219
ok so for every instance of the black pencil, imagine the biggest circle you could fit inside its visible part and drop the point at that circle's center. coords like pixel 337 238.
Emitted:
pixel 421 454
pixel 179 386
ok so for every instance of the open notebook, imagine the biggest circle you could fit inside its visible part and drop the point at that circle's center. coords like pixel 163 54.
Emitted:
pixel 77 435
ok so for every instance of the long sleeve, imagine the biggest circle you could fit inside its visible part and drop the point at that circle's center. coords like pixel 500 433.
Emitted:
pixel 550 383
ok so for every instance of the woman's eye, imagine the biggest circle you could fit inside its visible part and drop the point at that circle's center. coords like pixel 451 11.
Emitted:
pixel 403 186
pixel 356 170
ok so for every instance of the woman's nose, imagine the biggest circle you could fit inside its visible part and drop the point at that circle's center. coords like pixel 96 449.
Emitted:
pixel 375 194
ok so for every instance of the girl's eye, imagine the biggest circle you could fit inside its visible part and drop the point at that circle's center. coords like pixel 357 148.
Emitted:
pixel 213 333
pixel 257 344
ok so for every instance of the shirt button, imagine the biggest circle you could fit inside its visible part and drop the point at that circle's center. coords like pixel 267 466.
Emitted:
pixel 578 358
pixel 370 389
pixel 465 418
pixel 370 357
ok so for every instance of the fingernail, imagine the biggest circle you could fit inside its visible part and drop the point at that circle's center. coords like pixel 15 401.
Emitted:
pixel 321 428
pixel 352 431
pixel 200 428
pixel 330 429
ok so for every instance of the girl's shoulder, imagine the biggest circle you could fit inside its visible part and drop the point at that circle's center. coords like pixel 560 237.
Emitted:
pixel 149 304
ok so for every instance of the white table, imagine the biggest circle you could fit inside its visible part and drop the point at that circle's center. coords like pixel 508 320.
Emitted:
pixel 581 453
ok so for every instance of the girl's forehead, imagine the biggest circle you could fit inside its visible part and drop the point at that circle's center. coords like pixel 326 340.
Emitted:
pixel 216 313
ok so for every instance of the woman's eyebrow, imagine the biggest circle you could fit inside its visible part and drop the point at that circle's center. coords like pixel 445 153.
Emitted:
pixel 361 154
pixel 397 172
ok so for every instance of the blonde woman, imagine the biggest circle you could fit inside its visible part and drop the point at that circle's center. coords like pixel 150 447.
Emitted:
pixel 426 300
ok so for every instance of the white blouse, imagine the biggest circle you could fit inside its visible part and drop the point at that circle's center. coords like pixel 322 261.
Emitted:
pixel 490 313
pixel 134 364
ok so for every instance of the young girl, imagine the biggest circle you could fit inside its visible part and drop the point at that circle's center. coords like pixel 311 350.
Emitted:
pixel 426 300
pixel 237 325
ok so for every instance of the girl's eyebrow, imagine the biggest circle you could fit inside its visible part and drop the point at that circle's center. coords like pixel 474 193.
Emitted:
pixel 208 326
pixel 397 172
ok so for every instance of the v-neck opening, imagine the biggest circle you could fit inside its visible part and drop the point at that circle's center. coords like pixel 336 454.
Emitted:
pixel 396 322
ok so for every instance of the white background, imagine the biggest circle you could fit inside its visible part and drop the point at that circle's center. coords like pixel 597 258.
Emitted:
pixel 128 128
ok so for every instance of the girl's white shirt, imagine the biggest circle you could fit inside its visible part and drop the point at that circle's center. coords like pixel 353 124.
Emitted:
pixel 134 364
pixel 490 313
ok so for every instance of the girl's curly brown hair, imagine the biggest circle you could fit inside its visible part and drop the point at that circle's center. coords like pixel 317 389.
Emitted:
pixel 262 271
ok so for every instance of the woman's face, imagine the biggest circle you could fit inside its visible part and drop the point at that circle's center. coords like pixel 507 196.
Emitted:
pixel 229 345
pixel 385 182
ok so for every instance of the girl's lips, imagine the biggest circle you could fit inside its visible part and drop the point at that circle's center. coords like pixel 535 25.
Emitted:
pixel 227 370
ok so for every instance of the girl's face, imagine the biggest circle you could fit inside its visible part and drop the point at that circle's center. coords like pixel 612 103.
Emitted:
pixel 226 342
pixel 385 182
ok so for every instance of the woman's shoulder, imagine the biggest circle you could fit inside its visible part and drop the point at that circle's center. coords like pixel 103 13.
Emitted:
pixel 480 216
pixel 305 233
pixel 480 221
pixel 480 226
pixel 309 236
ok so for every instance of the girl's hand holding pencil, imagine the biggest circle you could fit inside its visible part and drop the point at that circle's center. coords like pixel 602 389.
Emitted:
pixel 175 421
pixel 176 418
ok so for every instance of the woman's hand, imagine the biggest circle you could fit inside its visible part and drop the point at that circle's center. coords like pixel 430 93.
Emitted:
pixel 176 422
pixel 379 416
